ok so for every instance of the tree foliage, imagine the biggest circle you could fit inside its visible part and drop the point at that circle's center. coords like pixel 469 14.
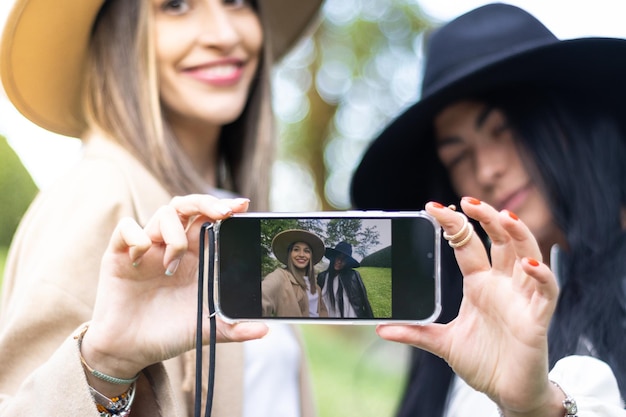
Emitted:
pixel 18 190
pixel 379 259
pixel 330 232
pixel 360 69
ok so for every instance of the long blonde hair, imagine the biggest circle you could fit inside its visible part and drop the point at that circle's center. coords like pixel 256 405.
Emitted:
pixel 121 101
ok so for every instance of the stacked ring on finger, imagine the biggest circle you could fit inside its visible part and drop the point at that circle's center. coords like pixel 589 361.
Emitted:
pixel 463 236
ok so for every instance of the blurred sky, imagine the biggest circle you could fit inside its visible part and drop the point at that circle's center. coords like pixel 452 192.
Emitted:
pixel 46 155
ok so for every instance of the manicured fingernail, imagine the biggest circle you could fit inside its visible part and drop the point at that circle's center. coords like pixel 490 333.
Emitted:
pixel 437 205
pixel 172 267
pixel 513 215
pixel 472 200
pixel 532 262
pixel 222 209
pixel 242 201
pixel 137 261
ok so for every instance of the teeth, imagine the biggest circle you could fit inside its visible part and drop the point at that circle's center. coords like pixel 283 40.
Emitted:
pixel 221 70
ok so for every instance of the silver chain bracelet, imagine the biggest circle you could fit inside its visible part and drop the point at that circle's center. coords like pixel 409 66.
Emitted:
pixel 569 404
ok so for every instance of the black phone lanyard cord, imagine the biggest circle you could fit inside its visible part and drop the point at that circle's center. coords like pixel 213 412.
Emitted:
pixel 212 322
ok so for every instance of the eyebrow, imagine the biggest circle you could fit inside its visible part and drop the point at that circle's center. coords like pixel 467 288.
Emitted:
pixel 478 123
pixel 482 117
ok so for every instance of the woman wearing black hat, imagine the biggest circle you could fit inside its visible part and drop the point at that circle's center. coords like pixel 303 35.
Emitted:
pixel 291 291
pixel 343 290
pixel 530 125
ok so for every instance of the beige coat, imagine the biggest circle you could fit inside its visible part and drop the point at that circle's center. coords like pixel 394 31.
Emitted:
pixel 284 297
pixel 49 290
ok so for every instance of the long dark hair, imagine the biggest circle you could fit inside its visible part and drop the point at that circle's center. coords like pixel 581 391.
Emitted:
pixel 578 149
pixel 332 275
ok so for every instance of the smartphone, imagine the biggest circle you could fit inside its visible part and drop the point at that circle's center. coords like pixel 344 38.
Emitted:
pixel 396 256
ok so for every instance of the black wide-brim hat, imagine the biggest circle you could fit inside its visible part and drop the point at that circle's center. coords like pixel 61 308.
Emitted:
pixel 345 249
pixel 494 46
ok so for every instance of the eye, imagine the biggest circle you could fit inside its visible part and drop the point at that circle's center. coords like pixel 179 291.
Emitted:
pixel 452 152
pixel 497 124
pixel 457 160
pixel 175 6
pixel 237 4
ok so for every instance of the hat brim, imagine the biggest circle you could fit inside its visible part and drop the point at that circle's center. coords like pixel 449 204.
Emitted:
pixel 44 43
pixel 350 261
pixel 590 65
pixel 281 242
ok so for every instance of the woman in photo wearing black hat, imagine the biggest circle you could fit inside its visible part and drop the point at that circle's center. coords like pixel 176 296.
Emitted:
pixel 169 98
pixel 532 128
pixel 291 291
pixel 343 290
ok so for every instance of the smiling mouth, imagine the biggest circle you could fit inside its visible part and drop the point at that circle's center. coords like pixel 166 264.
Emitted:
pixel 218 74
pixel 515 199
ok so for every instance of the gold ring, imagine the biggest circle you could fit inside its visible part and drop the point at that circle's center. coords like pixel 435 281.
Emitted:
pixel 465 240
pixel 460 233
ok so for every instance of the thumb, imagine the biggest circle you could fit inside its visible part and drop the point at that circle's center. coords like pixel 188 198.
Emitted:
pixel 429 337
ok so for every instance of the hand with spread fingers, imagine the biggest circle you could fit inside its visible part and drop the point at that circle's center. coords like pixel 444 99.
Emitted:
pixel 150 274
pixel 498 343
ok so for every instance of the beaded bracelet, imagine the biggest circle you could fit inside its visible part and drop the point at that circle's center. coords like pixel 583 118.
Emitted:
pixel 118 406
pixel 569 404
pixel 98 374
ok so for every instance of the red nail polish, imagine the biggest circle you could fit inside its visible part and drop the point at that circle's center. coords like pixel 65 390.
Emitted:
pixel 533 262
pixel 513 215
pixel 437 205
pixel 472 200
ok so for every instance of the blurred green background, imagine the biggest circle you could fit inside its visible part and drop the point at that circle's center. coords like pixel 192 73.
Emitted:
pixel 331 96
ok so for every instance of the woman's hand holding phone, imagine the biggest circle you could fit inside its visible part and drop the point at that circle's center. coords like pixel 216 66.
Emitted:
pixel 498 343
pixel 145 310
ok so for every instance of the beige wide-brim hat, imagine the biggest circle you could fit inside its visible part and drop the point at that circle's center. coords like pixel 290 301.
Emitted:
pixel 281 242
pixel 44 44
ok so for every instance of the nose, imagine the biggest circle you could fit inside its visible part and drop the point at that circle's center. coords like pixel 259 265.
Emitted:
pixel 491 163
pixel 216 27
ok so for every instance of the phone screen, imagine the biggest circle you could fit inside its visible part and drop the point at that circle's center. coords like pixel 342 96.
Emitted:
pixel 353 267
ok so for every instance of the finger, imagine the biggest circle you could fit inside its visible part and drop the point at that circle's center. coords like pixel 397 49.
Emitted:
pixel 429 337
pixel 166 227
pixel 471 256
pixel 129 237
pixel 546 291
pixel 502 251
pixel 524 243
pixel 206 205
pixel 238 332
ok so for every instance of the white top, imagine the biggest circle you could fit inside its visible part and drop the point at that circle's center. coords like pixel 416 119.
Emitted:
pixel 587 380
pixel 313 299
pixel 272 374
pixel 348 311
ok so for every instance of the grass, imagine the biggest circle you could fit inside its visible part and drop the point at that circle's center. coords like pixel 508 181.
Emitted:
pixel 377 281
pixel 355 373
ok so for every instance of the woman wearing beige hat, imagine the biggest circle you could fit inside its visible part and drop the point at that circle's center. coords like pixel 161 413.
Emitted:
pixel 169 98
pixel 291 291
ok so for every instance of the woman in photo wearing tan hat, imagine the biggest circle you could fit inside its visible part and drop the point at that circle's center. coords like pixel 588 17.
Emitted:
pixel 169 98
pixel 533 129
pixel 291 290
pixel 343 290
